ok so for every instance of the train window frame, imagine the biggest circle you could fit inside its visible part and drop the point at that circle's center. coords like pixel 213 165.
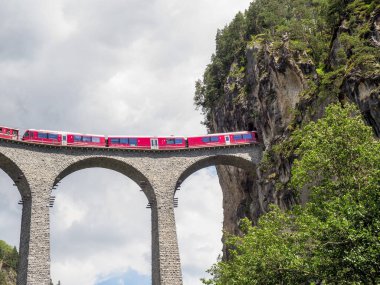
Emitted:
pixel 247 136
pixel 86 139
pixel 170 141
pixel 206 139
pixel 77 138
pixel 114 140
pixel 178 141
pixel 42 135
pixel 95 139
pixel 133 141
pixel 52 136
pixel 214 139
pixel 238 137
pixel 124 140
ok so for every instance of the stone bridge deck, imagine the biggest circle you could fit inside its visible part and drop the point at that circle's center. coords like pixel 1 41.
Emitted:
pixel 36 169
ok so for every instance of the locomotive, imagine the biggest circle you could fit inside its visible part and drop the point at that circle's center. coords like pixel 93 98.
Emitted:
pixel 130 142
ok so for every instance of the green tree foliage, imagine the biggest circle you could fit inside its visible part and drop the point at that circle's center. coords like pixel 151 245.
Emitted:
pixel 8 255
pixel 304 21
pixel 333 239
pixel 310 26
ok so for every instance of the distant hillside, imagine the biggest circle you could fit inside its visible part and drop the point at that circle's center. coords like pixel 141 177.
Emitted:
pixel 8 264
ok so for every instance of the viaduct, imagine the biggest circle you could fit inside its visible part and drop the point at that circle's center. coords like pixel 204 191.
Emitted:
pixel 36 169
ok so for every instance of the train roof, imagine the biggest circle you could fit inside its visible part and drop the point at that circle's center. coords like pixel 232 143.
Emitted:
pixel 64 132
pixel 126 136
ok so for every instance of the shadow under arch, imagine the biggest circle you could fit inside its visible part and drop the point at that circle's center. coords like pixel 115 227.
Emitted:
pixel 225 160
pixel 111 164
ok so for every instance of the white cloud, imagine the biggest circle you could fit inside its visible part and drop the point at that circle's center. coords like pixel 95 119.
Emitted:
pixel 110 67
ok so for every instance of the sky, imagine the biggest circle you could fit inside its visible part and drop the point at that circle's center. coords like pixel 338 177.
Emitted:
pixel 111 67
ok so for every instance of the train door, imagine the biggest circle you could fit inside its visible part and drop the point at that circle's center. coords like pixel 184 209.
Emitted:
pixel 227 138
pixel 15 135
pixel 154 143
pixel 64 139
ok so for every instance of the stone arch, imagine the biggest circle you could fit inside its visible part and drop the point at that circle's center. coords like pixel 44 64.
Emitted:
pixel 115 164
pixel 225 160
pixel 111 164
pixel 16 174
pixel 245 162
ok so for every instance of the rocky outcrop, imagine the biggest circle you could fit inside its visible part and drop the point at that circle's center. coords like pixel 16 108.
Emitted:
pixel 279 89
pixel 276 81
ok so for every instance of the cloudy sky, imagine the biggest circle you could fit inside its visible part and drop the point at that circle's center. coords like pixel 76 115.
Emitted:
pixel 111 67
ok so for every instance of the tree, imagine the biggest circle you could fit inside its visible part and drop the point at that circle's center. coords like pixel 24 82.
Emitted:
pixel 333 239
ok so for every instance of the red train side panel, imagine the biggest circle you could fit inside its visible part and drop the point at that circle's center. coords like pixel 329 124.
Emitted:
pixel 40 136
pixel 222 139
pixel 75 139
pixel 128 142
pixel 146 142
pixel 9 133
pixel 56 138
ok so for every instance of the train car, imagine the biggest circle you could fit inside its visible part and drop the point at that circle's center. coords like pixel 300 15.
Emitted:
pixel 169 142
pixel 42 136
pixel 63 138
pixel 9 133
pixel 221 139
pixel 76 139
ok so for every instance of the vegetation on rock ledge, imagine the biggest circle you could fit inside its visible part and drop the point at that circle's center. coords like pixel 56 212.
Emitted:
pixel 309 27
pixel 334 238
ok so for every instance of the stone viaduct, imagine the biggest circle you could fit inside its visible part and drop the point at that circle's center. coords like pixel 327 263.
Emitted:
pixel 36 169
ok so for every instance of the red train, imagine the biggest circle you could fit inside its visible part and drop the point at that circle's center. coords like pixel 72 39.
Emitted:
pixel 130 142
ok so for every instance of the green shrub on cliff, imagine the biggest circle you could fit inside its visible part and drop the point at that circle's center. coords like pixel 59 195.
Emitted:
pixel 8 255
pixel 334 238
pixel 8 264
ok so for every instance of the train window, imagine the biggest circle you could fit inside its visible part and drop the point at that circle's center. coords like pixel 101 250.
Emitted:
pixel 8 131
pixel 53 136
pixel 42 136
pixel 86 139
pixel 77 138
pixel 124 140
pixel 178 141
pixel 238 137
pixel 247 136
pixel 133 141
pixel 170 141
pixel 95 139
pixel 205 139
pixel 214 139
pixel 115 140
pixel 26 135
pixel 1 130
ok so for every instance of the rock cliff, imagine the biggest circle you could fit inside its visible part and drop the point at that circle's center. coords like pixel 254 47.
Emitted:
pixel 277 79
